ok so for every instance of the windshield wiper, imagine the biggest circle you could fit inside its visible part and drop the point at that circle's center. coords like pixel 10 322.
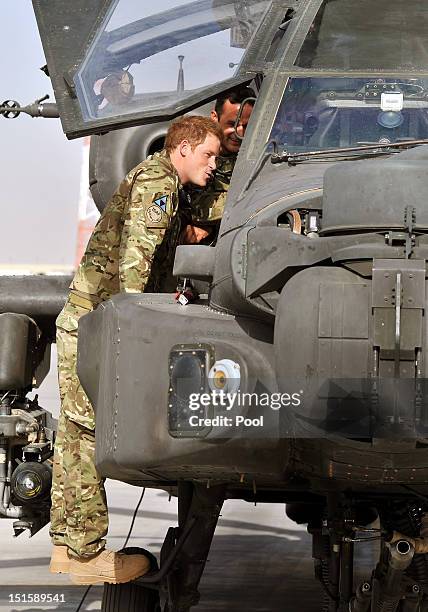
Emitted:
pixel 260 162
pixel 294 158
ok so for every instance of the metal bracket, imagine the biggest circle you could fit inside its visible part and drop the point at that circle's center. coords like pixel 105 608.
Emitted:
pixel 406 238
pixel 409 221
pixel 412 283
pixel 31 524
pixel 397 324
pixel 398 302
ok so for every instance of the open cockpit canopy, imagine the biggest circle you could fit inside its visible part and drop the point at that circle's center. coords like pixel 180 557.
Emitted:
pixel 116 63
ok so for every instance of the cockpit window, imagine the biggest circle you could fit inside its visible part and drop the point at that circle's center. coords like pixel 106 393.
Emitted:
pixel 151 55
pixel 329 113
pixel 394 37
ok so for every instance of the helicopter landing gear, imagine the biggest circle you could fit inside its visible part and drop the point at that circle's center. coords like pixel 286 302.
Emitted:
pixel 392 586
pixel 174 587
pixel 198 511
pixel 389 589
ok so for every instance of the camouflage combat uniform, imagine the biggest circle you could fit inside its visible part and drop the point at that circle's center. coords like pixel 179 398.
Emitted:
pixel 208 204
pixel 131 250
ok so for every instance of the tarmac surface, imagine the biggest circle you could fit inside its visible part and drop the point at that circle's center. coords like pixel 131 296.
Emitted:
pixel 260 561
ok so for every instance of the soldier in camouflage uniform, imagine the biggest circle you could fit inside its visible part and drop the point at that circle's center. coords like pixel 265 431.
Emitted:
pixel 131 250
pixel 208 204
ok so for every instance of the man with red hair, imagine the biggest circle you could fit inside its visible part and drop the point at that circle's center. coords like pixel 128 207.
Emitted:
pixel 131 250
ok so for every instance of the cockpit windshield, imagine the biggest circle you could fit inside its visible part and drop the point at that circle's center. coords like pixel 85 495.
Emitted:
pixel 151 55
pixel 373 34
pixel 327 113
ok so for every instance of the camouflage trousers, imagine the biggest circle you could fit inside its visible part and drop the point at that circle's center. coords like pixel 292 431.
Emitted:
pixel 79 517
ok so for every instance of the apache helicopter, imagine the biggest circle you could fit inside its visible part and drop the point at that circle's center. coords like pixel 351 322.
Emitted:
pixel 300 376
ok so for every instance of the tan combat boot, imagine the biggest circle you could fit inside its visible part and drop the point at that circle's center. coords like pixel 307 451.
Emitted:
pixel 108 566
pixel 60 561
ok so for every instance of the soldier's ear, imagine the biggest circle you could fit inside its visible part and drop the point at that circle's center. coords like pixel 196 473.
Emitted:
pixel 214 116
pixel 184 148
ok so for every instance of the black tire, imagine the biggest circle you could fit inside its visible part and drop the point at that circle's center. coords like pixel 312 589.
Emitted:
pixel 131 597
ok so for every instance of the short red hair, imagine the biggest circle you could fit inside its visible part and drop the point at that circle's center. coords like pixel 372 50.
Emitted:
pixel 192 128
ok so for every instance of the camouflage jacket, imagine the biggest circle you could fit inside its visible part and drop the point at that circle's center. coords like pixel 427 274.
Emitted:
pixel 133 244
pixel 208 204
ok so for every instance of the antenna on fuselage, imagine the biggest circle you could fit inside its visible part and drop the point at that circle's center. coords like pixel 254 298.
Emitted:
pixel 180 81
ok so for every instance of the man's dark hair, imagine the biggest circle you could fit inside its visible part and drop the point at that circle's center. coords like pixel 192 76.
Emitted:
pixel 235 96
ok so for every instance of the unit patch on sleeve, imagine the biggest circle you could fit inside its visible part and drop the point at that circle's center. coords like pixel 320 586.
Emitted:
pixel 161 202
pixel 156 213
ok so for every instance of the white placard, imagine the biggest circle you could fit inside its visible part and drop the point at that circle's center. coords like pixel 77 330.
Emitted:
pixel 183 299
pixel 392 101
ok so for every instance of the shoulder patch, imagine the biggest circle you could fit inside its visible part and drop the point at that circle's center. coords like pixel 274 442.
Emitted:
pixel 157 213
pixel 161 202
pixel 154 214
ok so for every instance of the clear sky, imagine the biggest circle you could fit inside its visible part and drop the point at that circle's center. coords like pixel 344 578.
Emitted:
pixel 40 168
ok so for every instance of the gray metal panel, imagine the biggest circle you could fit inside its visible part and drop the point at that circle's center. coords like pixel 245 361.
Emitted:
pixel 412 282
pixel 37 295
pixel 18 340
pixel 374 193
pixel 128 386
pixel 271 250
pixel 301 351
pixel 194 261
pixel 333 371
pixel 343 310
pixel 342 358
pixel 411 330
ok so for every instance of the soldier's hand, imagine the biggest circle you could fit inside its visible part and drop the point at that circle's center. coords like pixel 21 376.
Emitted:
pixel 193 234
